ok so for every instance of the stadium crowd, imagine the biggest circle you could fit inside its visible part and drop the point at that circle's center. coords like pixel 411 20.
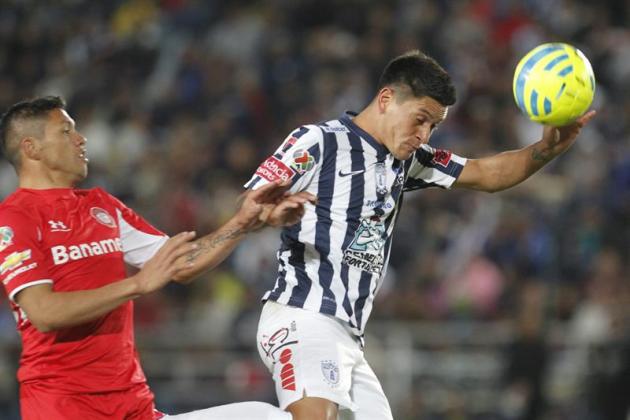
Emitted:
pixel 181 99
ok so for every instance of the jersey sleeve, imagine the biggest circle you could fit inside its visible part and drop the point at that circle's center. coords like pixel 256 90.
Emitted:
pixel 22 259
pixel 296 160
pixel 430 167
pixel 140 240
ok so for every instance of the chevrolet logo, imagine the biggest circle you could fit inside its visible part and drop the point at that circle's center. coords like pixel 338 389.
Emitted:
pixel 14 260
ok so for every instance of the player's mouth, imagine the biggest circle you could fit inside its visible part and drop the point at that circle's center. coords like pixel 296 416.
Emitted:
pixel 83 156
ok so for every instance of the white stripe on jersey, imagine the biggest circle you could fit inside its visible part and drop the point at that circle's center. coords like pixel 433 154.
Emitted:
pixel 138 247
pixel 335 259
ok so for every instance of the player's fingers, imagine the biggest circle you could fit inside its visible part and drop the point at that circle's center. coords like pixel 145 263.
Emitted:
pixel 584 119
pixel 184 249
pixel 268 192
pixel 289 204
pixel 308 197
pixel 294 216
pixel 293 199
pixel 176 241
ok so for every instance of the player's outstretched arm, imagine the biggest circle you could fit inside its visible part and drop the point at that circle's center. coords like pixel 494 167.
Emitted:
pixel 269 204
pixel 504 170
pixel 49 310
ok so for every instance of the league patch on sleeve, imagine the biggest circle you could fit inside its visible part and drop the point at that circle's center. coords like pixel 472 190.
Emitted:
pixel 302 161
pixel 441 157
pixel 6 237
pixel 274 169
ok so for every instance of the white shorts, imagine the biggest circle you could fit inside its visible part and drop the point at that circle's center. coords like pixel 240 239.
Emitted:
pixel 313 355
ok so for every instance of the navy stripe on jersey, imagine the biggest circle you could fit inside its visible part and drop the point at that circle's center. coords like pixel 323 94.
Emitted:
pixel 364 293
pixel 300 291
pixel 353 215
pixel 418 184
pixel 325 194
pixel 281 282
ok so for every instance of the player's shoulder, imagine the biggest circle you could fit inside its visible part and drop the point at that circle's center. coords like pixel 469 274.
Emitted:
pixel 333 126
pixel 18 208
pixel 19 202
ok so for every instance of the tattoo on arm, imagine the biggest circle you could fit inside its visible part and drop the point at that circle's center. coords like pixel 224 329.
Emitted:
pixel 205 245
pixel 544 155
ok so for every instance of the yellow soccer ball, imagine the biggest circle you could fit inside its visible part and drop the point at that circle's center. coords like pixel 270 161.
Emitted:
pixel 554 84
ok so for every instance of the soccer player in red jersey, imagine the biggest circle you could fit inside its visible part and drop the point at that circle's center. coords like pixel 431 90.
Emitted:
pixel 62 262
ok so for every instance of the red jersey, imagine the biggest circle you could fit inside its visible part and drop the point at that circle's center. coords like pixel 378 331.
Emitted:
pixel 75 240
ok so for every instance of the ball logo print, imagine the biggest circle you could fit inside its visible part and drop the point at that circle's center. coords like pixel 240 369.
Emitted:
pixel 554 84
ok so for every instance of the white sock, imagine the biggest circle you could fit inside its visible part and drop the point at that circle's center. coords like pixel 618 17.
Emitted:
pixel 250 410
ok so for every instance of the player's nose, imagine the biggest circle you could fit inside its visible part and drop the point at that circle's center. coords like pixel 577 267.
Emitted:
pixel 80 139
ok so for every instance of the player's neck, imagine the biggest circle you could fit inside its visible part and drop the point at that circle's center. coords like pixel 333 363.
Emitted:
pixel 367 120
pixel 44 181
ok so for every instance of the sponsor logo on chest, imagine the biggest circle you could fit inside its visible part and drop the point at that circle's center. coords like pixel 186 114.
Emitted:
pixel 61 254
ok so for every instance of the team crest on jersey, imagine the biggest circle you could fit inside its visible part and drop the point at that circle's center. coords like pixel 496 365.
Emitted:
pixel 302 161
pixel 6 237
pixel 441 157
pixel 103 217
pixel 330 370
pixel 366 249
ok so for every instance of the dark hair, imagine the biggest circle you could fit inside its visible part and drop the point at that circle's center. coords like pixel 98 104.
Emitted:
pixel 422 74
pixel 25 110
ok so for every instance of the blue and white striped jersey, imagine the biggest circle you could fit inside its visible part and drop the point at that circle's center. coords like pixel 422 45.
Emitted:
pixel 335 259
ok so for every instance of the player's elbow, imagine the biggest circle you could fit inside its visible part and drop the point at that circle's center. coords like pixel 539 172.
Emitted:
pixel 42 324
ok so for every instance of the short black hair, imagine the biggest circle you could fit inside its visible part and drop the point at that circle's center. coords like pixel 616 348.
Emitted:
pixel 24 110
pixel 422 74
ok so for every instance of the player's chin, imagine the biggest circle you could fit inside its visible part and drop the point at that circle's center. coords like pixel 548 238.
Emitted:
pixel 404 154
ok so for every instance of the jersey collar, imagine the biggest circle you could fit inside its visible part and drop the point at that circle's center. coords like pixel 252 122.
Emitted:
pixel 53 193
pixel 346 120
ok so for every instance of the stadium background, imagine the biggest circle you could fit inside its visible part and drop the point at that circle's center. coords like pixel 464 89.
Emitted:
pixel 489 298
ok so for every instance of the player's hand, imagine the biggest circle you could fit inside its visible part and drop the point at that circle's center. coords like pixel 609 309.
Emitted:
pixel 250 214
pixel 163 266
pixel 560 139
pixel 290 209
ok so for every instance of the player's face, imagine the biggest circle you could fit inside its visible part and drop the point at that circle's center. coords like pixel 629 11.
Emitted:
pixel 409 123
pixel 62 149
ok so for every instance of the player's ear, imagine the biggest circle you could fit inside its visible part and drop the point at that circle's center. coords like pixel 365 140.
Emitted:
pixel 31 148
pixel 384 97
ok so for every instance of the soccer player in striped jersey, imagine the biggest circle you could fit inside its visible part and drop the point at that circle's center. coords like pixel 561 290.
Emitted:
pixel 333 262
pixel 62 263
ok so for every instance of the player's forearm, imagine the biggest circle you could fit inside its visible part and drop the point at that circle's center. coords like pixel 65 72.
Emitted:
pixel 507 169
pixel 57 310
pixel 212 249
